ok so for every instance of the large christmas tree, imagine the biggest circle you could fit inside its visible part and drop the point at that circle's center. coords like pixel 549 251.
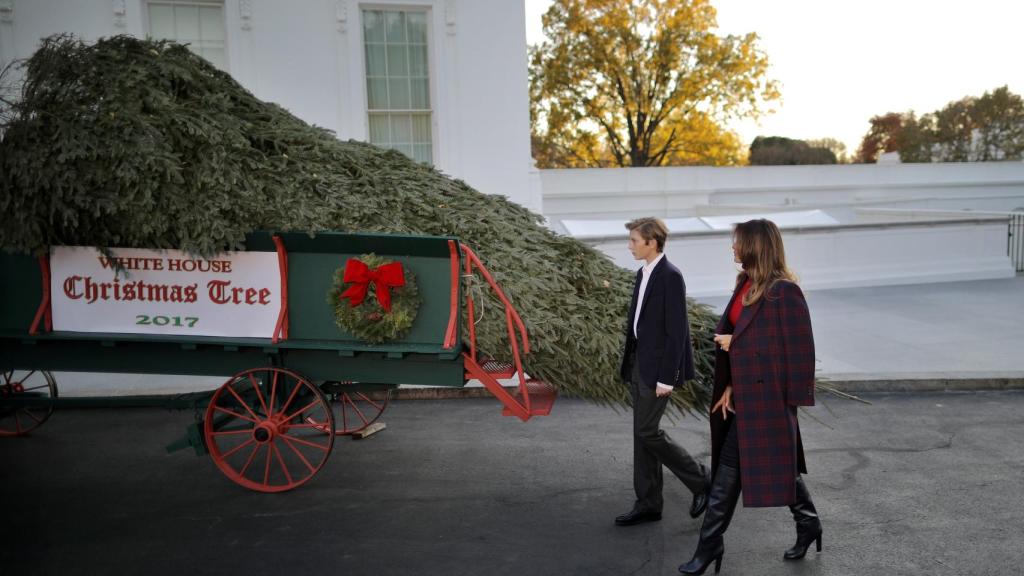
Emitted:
pixel 133 143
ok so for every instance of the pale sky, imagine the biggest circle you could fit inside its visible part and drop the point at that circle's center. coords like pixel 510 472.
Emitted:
pixel 840 62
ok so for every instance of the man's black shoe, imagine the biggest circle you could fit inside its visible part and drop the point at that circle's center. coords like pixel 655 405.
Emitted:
pixel 700 499
pixel 637 517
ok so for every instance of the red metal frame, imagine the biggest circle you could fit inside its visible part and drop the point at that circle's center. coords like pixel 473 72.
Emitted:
pixel 281 329
pixel 453 314
pixel 44 313
pixel 516 332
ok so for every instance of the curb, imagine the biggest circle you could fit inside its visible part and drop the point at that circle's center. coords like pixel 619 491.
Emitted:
pixel 909 385
pixel 927 384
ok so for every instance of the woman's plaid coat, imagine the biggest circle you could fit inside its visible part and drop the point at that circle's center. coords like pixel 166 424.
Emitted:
pixel 770 365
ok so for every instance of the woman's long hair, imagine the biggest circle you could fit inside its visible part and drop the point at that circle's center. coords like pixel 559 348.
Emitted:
pixel 760 250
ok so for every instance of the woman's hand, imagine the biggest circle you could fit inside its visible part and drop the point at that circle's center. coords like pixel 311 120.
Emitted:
pixel 725 403
pixel 724 340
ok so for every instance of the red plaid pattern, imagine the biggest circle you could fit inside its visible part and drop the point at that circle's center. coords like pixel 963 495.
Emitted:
pixel 770 365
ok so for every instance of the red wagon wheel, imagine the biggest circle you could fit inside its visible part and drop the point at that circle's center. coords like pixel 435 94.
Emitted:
pixel 354 410
pixel 18 421
pixel 258 429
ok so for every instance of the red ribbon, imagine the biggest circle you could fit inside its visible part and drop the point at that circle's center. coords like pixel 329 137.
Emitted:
pixel 383 277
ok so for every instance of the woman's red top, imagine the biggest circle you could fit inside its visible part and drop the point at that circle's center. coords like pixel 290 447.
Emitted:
pixel 737 304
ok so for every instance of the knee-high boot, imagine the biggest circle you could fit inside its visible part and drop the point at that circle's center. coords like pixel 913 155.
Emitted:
pixel 725 492
pixel 808 525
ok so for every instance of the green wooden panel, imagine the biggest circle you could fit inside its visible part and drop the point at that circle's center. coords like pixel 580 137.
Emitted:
pixel 20 292
pixel 139 357
pixel 312 317
pixel 317 347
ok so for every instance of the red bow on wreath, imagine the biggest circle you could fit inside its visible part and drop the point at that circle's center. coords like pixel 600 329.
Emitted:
pixel 384 277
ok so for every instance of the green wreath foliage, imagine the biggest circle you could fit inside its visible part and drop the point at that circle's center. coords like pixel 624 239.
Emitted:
pixel 369 321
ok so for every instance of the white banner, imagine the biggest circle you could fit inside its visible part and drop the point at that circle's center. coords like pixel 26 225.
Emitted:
pixel 165 292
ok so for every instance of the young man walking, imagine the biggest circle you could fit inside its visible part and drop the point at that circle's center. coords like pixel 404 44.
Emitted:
pixel 658 355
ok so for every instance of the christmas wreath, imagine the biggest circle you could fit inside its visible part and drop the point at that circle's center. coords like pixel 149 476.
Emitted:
pixel 387 313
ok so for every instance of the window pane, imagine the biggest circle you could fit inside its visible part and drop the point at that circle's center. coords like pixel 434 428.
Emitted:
pixel 398 62
pixel 421 128
pixel 161 21
pixel 397 79
pixel 420 94
pixel 186 20
pixel 401 129
pixel 379 129
pixel 377 93
pixel 422 153
pixel 373 25
pixel 375 65
pixel 417 27
pixel 417 60
pixel 211 24
pixel 398 94
pixel 396 27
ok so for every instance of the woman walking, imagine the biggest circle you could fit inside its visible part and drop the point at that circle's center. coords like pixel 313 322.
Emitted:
pixel 764 369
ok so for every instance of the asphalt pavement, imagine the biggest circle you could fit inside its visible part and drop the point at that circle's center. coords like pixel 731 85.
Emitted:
pixel 913 484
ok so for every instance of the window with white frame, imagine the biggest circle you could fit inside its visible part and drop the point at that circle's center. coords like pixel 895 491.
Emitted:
pixel 398 81
pixel 198 24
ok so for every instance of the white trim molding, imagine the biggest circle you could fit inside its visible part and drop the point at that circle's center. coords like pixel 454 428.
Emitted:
pixel 6 10
pixel 120 13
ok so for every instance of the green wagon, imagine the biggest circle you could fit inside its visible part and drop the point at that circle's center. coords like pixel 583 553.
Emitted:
pixel 270 427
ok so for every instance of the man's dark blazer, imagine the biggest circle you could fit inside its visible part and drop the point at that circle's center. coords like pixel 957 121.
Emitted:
pixel 662 344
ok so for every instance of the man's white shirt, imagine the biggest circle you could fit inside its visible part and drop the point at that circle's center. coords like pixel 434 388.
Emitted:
pixel 645 276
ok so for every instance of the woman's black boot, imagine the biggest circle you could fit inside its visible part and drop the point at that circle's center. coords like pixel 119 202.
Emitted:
pixel 808 526
pixel 725 492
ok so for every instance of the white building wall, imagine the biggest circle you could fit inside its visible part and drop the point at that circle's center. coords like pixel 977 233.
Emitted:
pixel 845 256
pixel 684 191
pixel 308 57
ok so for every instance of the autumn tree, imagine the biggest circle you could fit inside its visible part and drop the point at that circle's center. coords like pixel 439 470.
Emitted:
pixel 999 120
pixel 882 137
pixel 836 146
pixel 779 151
pixel 972 129
pixel 642 83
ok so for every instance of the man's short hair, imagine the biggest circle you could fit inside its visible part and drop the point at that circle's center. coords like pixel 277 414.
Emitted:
pixel 650 229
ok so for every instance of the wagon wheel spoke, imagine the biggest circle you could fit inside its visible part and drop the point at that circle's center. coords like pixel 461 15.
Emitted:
pixel 317 425
pixel 33 416
pixel 306 442
pixel 239 447
pixel 231 432
pixel 300 411
pixel 357 410
pixel 22 420
pixel 370 401
pixel 365 409
pixel 235 414
pixel 266 471
pixel 288 443
pixel 244 404
pixel 276 468
pixel 273 393
pixel 291 397
pixel 252 455
pixel 280 461
pixel 256 387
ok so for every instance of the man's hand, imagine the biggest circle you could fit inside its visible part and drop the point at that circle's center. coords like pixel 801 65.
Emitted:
pixel 725 403
pixel 724 340
pixel 662 390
